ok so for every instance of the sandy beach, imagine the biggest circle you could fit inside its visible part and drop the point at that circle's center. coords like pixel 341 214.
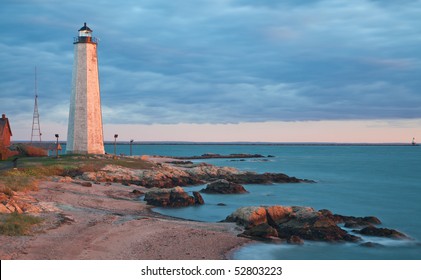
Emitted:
pixel 109 222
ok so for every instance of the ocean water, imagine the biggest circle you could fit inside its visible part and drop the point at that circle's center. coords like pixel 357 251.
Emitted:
pixel 381 181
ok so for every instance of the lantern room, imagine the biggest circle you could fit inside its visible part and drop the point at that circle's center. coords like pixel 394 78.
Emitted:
pixel 85 35
pixel 85 31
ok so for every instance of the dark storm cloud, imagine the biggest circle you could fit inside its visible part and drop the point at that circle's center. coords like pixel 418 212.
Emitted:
pixel 218 61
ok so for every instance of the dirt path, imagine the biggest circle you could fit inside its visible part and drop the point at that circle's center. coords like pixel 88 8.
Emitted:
pixel 108 222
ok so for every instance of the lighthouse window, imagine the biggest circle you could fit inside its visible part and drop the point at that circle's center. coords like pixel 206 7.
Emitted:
pixel 84 33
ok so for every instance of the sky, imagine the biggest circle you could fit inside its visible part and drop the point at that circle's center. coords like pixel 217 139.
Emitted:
pixel 221 70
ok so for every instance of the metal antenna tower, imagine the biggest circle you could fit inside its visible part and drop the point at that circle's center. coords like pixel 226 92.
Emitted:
pixel 36 129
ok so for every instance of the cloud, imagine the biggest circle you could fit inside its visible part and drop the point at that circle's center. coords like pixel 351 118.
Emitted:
pixel 218 61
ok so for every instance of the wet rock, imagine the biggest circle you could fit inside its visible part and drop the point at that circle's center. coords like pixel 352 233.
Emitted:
pixel 198 199
pixel 356 222
pixel 381 232
pixel 295 240
pixel 221 204
pixel 261 231
pixel 316 229
pixel 222 186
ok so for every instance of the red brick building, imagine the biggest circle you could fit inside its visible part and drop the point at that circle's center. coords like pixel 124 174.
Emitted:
pixel 5 134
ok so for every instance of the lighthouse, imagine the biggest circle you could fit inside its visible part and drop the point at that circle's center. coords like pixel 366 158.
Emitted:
pixel 85 134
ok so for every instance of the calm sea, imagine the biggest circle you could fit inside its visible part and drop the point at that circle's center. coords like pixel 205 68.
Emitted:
pixel 381 181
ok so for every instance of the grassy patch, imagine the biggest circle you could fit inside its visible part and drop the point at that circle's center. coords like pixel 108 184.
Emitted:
pixel 32 169
pixel 17 224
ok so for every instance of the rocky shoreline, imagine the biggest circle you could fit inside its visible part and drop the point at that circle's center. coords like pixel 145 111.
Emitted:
pixel 165 175
pixel 82 211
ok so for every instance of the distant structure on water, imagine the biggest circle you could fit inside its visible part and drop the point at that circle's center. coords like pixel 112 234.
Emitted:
pixel 85 134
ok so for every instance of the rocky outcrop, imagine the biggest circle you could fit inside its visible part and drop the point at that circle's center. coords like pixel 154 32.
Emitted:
pixel 222 186
pixel 175 197
pixel 351 221
pixel 18 203
pixel 381 232
pixel 169 176
pixel 297 223
pixel 265 178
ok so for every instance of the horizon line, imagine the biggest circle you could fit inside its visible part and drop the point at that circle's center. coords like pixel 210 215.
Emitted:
pixel 127 142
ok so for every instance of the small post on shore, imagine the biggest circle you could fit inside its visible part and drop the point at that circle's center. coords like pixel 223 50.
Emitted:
pixel 115 144
pixel 131 151
pixel 57 145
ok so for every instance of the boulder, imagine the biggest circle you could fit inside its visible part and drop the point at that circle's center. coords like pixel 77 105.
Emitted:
pixel 223 186
pixel 175 197
pixel 180 199
pixel 250 216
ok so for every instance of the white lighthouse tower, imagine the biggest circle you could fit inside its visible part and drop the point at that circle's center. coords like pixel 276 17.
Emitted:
pixel 85 134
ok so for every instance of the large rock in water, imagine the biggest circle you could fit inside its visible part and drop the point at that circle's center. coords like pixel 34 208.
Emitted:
pixel 222 186
pixel 294 223
pixel 175 197
pixel 198 199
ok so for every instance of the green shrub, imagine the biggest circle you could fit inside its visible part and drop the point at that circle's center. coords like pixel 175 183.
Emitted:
pixel 17 224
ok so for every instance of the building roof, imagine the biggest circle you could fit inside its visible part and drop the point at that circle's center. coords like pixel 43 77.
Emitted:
pixel 85 27
pixel 3 123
